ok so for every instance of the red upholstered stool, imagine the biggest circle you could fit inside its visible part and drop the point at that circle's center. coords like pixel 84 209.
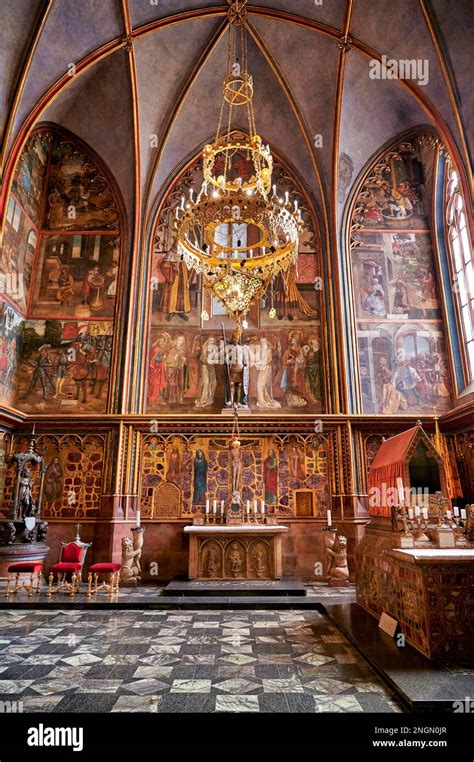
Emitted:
pixel 70 564
pixel 33 568
pixel 103 569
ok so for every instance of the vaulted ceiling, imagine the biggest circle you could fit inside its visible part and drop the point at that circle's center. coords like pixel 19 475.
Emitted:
pixel 147 69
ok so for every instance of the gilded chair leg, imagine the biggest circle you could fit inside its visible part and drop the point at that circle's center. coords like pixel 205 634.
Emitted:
pixel 117 581
pixel 73 584
pixel 89 584
pixel 38 581
pixel 30 587
pixel 96 582
pixel 17 583
pixel 7 589
pixel 59 585
pixel 50 584
pixel 78 582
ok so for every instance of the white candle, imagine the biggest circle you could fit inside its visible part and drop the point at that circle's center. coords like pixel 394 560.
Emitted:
pixel 329 518
pixel 401 492
pixel 425 513
pixel 138 518
pixel 456 510
pixel 214 507
pixel 255 506
pixel 207 506
pixel 463 514
pixel 417 510
pixel 410 513
pixel 222 507
pixel 448 514
pixel 248 506
pixel 263 508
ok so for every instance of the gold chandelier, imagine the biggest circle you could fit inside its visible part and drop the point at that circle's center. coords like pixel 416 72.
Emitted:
pixel 237 232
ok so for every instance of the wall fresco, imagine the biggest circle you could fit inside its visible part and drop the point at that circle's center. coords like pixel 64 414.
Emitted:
pixel 199 468
pixel 64 366
pixel 402 360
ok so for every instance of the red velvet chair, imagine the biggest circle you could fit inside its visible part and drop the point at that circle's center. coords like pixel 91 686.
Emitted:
pixel 70 563
pixel 33 568
pixel 105 569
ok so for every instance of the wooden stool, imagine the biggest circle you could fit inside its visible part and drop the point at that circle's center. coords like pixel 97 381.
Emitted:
pixel 105 568
pixel 63 568
pixel 33 568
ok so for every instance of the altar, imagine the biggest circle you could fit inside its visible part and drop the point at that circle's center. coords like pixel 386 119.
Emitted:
pixel 242 551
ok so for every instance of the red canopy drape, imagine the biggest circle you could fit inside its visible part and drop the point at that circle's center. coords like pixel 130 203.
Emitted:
pixel 387 467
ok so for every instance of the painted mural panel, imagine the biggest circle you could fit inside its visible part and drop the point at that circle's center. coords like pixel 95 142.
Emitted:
pixel 73 478
pixel 402 360
pixel 273 468
pixel 284 337
pixel 187 373
pixel 76 276
pixel 395 277
pixel 64 366
pixel 79 196
pixel 394 194
pixel 19 243
pixel 403 368
pixel 28 183
pixel 10 346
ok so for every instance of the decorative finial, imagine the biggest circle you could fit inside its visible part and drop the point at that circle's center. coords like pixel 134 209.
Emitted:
pixel 32 446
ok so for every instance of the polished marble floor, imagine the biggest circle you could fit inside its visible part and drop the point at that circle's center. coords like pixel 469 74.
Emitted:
pixel 172 661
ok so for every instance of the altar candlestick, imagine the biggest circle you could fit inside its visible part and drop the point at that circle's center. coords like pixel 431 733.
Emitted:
pixel 222 507
pixel 214 507
pixel 262 506
pixel 255 506
pixel 248 507
pixel 417 510
pixel 207 506
pixel 456 511
pixel 138 518
pixel 463 514
pixel 264 509
pixel 425 513
pixel 448 514
pixel 410 513
pixel 329 518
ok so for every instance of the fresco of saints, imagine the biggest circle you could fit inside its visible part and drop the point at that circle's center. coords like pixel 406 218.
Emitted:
pixel 200 478
pixel 293 366
pixel 157 373
pixel 177 374
pixel 313 370
pixel 173 474
pixel 53 481
pixel 175 298
pixel 270 477
pixel 296 464
pixel 264 368
pixel 208 359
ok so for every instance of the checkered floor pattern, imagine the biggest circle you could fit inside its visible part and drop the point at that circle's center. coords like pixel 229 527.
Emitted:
pixel 172 661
